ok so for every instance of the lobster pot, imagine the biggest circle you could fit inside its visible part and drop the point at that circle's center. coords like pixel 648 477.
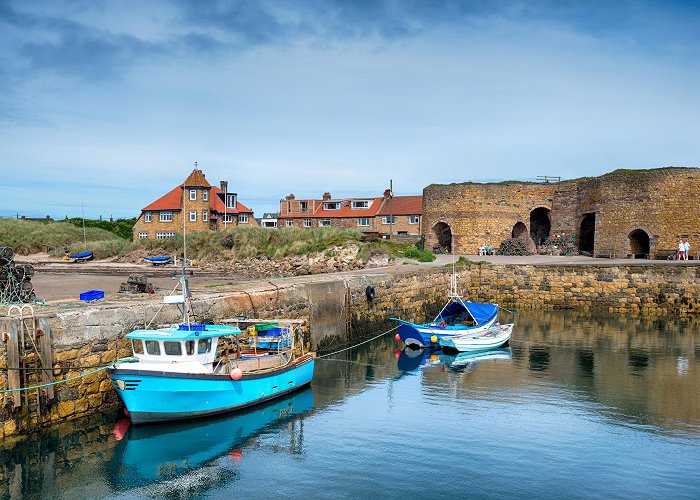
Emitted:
pixel 23 272
pixel 6 255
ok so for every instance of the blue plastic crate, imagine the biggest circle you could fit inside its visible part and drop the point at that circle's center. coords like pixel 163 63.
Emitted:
pixel 92 295
pixel 193 327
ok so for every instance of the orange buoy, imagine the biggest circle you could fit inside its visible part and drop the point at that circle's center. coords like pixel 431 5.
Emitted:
pixel 236 374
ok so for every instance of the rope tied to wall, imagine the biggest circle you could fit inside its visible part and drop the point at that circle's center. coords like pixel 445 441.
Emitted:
pixel 357 345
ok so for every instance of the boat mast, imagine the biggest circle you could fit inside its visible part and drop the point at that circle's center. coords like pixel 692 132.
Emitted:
pixel 82 209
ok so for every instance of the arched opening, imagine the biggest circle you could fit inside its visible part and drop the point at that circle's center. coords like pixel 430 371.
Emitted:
pixel 519 231
pixel 586 236
pixel 443 233
pixel 539 225
pixel 639 244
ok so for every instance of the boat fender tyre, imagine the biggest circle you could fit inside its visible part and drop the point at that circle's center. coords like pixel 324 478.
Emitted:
pixel 369 292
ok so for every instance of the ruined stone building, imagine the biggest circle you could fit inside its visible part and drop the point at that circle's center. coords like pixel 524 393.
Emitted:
pixel 625 213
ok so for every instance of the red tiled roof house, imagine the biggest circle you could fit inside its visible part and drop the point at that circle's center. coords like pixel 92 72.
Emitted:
pixel 204 207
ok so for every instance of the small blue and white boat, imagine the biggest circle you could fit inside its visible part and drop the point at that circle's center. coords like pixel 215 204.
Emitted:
pixel 80 257
pixel 192 370
pixel 159 260
pixel 493 337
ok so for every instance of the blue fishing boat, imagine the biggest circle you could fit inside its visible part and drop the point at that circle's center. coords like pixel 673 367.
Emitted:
pixel 80 257
pixel 159 260
pixel 190 370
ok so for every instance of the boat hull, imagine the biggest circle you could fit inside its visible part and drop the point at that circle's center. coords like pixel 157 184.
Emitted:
pixel 157 396
pixel 421 335
pixel 492 338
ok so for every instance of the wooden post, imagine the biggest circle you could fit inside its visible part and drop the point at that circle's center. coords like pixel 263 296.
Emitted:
pixel 46 355
pixel 12 347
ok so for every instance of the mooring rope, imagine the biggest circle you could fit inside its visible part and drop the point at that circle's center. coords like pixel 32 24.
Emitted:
pixel 123 360
pixel 357 345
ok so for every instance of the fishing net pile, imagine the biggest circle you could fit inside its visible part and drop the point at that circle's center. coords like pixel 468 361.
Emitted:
pixel 15 279
pixel 136 283
pixel 560 244
pixel 513 246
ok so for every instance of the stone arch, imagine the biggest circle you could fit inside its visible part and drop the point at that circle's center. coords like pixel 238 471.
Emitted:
pixel 540 225
pixel 586 234
pixel 519 231
pixel 443 235
pixel 639 243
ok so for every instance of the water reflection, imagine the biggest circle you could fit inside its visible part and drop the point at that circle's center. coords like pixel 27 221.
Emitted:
pixel 465 361
pixel 162 453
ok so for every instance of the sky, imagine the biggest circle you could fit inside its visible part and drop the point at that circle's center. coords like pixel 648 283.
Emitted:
pixel 106 105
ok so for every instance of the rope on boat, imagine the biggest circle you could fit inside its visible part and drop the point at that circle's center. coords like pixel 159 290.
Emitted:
pixel 123 360
pixel 357 345
pixel 514 313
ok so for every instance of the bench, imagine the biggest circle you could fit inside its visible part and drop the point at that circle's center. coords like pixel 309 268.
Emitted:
pixel 665 254
pixel 606 252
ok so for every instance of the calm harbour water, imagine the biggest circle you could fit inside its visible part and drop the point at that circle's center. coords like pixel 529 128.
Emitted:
pixel 580 405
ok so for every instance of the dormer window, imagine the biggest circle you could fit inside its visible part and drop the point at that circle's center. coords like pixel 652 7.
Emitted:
pixel 331 205
pixel 360 204
pixel 230 201
pixel 193 194
pixel 303 206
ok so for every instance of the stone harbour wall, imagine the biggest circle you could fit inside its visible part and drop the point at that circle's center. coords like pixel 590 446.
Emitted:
pixel 94 336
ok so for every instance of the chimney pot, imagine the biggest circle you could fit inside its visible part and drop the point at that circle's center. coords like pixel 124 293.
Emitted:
pixel 326 196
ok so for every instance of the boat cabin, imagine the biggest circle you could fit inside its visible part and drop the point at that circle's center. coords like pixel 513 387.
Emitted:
pixel 181 346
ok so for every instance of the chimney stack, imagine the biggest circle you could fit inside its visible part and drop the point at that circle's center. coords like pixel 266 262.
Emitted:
pixel 290 196
pixel 387 193
pixel 224 186
pixel 326 196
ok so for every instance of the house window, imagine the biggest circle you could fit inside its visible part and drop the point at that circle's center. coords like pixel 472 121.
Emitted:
pixel 205 215
pixel 324 223
pixel 147 217
pixel 304 206
pixel 162 236
pixel 413 219
pixel 193 194
pixel 230 201
pixel 205 195
pixel 228 218
pixel 360 204
pixel 193 216
pixel 363 221
pixel 165 217
pixel 243 219
pixel 331 205
pixel 307 222
pixel 143 236
pixel 290 223
pixel 385 219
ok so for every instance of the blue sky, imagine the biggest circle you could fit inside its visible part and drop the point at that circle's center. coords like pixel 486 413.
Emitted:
pixel 107 105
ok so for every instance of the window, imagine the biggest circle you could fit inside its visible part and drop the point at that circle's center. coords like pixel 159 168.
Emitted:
pixel 162 236
pixel 230 201
pixel 203 346
pixel 165 217
pixel 243 219
pixel 331 205
pixel 413 219
pixel 304 206
pixel 205 215
pixel 147 217
pixel 189 346
pixel 193 194
pixel 193 216
pixel 205 195
pixel 137 346
pixel 228 218
pixel 359 204
pixel 385 219
pixel 324 223
pixel 152 347
pixel 363 221
pixel 290 223
pixel 172 348
pixel 143 236
pixel 307 222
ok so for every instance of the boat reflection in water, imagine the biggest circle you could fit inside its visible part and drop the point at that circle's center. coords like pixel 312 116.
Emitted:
pixel 464 361
pixel 164 452
pixel 411 359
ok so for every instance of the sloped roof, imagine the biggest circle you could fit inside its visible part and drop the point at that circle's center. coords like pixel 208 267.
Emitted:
pixel 345 210
pixel 196 178
pixel 171 201
pixel 404 205
pixel 216 203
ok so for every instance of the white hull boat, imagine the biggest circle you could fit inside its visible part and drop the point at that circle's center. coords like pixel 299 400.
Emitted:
pixel 491 338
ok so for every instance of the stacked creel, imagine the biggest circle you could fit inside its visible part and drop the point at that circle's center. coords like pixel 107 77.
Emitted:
pixel 15 279
pixel 136 283
pixel 513 246
pixel 560 244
